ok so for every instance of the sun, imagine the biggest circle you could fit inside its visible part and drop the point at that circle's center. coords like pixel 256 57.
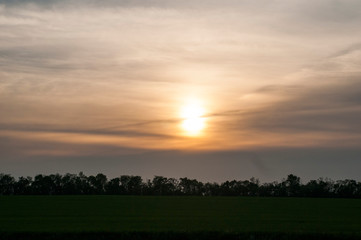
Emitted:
pixel 193 118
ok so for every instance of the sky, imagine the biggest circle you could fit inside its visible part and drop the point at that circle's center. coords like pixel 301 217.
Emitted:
pixel 207 89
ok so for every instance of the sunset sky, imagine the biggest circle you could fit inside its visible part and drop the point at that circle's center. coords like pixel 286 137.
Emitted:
pixel 207 89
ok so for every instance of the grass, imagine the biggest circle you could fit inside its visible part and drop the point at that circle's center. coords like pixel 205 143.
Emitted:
pixel 167 217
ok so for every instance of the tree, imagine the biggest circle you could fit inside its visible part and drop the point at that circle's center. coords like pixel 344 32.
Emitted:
pixel 163 186
pixel 23 186
pixel 70 184
pixel 113 187
pixel 190 186
pixel 211 189
pixel 346 188
pixel 98 183
pixel 135 185
pixel 56 184
pixel 319 188
pixel 131 185
pixel 43 185
pixel 7 183
pixel 292 186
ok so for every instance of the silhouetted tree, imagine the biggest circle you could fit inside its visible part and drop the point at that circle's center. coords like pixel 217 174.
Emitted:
pixel 131 185
pixel 319 188
pixel 346 188
pixel 56 184
pixel 190 186
pixel 269 189
pixel 7 183
pixel 70 184
pixel 163 186
pixel 43 185
pixel 23 186
pixel 292 186
pixel 113 187
pixel 211 189
pixel 98 183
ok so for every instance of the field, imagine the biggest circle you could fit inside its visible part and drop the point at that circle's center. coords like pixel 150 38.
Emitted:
pixel 114 216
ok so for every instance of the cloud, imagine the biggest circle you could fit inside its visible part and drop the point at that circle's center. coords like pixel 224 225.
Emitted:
pixel 322 106
pixel 272 73
pixel 96 86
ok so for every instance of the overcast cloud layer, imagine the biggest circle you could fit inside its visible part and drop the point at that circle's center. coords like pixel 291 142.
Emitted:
pixel 97 86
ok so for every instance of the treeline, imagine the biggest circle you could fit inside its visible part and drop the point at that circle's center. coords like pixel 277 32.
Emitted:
pixel 80 184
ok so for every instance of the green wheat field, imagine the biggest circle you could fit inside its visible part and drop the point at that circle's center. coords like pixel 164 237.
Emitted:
pixel 148 217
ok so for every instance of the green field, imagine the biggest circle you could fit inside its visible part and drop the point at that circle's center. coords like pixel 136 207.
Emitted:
pixel 112 214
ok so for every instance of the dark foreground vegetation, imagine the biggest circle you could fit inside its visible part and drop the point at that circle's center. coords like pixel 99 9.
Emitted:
pixel 79 184
pixel 177 217
pixel 174 236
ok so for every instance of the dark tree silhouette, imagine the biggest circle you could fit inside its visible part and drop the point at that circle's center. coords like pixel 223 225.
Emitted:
pixel 23 186
pixel 56 184
pixel 292 186
pixel 190 186
pixel 7 184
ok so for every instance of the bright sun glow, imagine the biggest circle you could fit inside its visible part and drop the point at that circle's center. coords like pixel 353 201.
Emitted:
pixel 193 122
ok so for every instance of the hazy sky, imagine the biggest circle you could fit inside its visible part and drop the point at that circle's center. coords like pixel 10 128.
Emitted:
pixel 101 86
